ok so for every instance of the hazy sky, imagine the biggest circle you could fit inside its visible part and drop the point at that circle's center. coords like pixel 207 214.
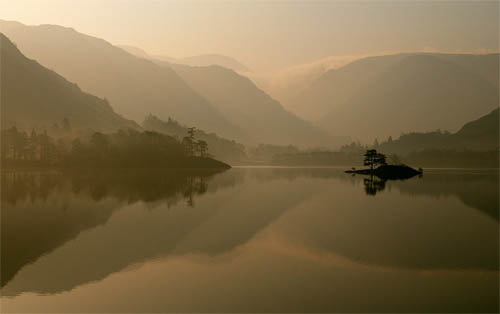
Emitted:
pixel 267 35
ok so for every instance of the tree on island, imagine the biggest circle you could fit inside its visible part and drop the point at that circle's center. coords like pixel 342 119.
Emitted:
pixel 192 145
pixel 189 141
pixel 202 147
pixel 373 158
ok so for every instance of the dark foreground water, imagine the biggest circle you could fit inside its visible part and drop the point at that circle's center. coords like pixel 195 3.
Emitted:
pixel 249 240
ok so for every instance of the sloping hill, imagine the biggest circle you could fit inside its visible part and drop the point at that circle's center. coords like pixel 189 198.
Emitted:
pixel 251 108
pixel 200 60
pixel 214 59
pixel 388 95
pixel 135 86
pixel 220 148
pixel 32 95
pixel 246 105
pixel 478 135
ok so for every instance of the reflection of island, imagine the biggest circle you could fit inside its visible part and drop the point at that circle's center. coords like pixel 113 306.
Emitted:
pixel 477 189
pixel 374 185
pixel 60 207
pixel 220 222
pixel 43 210
pixel 415 225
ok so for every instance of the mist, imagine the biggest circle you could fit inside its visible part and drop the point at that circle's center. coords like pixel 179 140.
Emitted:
pixel 249 156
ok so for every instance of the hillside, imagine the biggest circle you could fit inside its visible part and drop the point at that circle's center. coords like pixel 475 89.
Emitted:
pixel 421 90
pixel 244 104
pixel 478 135
pixel 200 60
pixel 33 96
pixel 135 86
pixel 220 148
pixel 214 59
pixel 251 108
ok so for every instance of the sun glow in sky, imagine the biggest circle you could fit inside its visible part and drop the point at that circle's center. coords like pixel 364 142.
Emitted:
pixel 268 35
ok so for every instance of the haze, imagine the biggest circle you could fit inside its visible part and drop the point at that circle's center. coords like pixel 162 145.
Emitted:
pixel 272 35
pixel 249 156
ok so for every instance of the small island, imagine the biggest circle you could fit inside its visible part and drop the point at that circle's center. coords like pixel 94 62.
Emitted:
pixel 391 172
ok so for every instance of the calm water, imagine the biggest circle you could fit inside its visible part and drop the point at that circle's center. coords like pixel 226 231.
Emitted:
pixel 249 240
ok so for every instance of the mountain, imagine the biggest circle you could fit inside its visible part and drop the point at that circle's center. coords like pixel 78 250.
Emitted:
pixel 243 103
pixel 251 108
pixel 478 135
pixel 388 95
pixel 219 148
pixel 285 84
pixel 32 96
pixel 200 60
pixel 136 51
pixel 214 59
pixel 135 86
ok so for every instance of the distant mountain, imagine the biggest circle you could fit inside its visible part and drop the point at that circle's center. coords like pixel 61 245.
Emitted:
pixel 200 60
pixel 388 95
pixel 136 51
pixel 478 135
pixel 220 148
pixel 214 59
pixel 33 96
pixel 252 109
pixel 285 84
pixel 243 103
pixel 135 86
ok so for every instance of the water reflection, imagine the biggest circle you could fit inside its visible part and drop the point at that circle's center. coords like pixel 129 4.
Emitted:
pixel 43 210
pixel 373 185
pixel 275 231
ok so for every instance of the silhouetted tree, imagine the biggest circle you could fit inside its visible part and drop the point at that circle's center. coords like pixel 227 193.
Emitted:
pixel 192 140
pixel 188 144
pixel 373 158
pixel 202 147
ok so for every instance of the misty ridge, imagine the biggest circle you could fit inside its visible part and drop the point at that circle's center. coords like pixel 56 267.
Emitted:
pixel 249 157
pixel 446 105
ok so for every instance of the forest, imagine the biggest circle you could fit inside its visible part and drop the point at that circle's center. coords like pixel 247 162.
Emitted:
pixel 124 148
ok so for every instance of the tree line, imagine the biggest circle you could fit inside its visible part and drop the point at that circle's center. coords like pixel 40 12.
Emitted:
pixel 124 148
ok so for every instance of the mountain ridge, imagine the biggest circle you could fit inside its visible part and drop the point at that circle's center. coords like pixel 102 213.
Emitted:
pixel 420 89
pixel 51 97
pixel 134 85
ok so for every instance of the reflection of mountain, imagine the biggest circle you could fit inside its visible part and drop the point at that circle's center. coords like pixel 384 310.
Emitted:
pixel 400 231
pixel 41 211
pixel 36 218
pixel 328 215
pixel 478 190
pixel 217 224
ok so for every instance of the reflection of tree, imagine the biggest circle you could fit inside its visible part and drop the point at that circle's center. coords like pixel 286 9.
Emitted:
pixel 42 210
pixel 196 185
pixel 132 186
pixel 374 185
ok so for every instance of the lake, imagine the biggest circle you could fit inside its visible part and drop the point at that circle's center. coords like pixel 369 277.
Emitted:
pixel 249 240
